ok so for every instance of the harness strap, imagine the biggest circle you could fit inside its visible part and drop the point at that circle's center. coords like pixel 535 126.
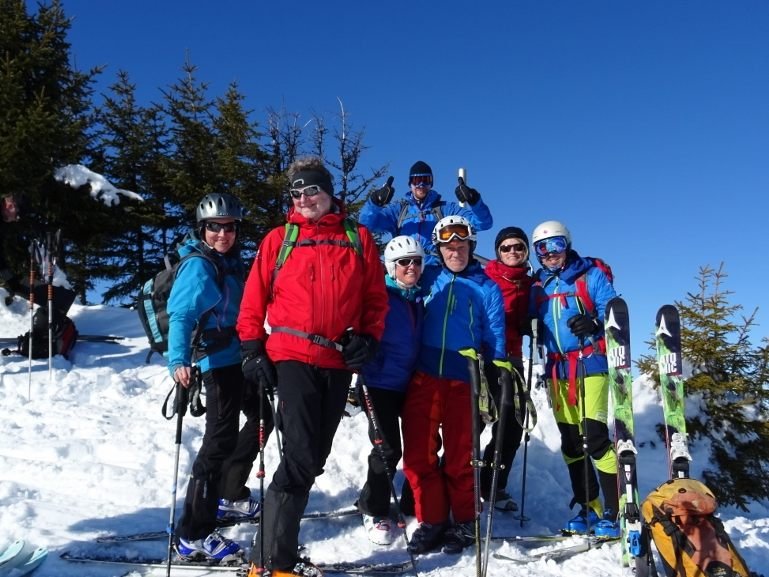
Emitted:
pixel 314 338
pixel 573 358
pixel 435 210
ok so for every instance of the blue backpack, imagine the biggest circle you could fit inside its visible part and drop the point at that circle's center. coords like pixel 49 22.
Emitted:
pixel 152 302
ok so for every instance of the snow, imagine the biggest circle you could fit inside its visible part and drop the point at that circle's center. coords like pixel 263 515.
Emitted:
pixel 77 175
pixel 89 454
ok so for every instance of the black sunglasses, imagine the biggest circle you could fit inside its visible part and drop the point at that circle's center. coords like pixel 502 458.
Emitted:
pixel 515 247
pixel 222 226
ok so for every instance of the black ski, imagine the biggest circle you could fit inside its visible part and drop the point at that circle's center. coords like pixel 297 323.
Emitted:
pixel 156 535
pixel 237 569
pixel 99 338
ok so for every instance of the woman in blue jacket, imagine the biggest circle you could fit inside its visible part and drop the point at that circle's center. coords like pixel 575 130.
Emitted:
pixel 208 290
pixel 386 378
pixel 569 298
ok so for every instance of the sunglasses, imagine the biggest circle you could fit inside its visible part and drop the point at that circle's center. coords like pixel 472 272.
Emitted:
pixel 222 226
pixel 404 262
pixel 452 231
pixel 514 247
pixel 554 245
pixel 421 180
pixel 311 190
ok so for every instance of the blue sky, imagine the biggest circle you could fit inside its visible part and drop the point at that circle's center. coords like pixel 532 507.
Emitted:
pixel 643 126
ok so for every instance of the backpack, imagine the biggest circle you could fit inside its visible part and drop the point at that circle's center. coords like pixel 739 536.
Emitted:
pixel 436 211
pixel 581 283
pixel 291 233
pixel 64 335
pixel 690 539
pixel 152 302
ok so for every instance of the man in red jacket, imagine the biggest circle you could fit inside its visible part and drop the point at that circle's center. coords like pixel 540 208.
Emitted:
pixel 326 306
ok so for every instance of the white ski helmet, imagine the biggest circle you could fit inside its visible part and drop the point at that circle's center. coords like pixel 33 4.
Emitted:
pixel 401 247
pixel 219 205
pixel 451 227
pixel 549 229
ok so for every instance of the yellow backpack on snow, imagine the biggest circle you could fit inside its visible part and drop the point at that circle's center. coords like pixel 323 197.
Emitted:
pixel 690 539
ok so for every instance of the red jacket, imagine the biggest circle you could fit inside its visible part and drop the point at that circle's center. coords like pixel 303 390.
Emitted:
pixel 515 284
pixel 321 289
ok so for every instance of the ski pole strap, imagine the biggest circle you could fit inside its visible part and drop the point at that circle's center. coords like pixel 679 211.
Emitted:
pixel 180 402
pixel 314 338
pixel 573 359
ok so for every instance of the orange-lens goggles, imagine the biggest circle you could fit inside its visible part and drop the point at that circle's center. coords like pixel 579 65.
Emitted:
pixel 452 231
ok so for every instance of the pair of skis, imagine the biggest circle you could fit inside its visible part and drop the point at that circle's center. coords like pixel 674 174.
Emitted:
pixel 239 569
pixel 634 540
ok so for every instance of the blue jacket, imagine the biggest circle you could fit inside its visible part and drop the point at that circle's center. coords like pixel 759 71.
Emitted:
pixel 195 291
pixel 554 301
pixel 463 310
pixel 397 353
pixel 419 219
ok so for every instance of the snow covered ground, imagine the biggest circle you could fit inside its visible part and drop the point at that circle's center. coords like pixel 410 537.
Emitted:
pixel 89 454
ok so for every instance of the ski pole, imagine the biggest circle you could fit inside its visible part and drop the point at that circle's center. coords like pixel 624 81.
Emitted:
pixel 260 472
pixel 585 453
pixel 49 264
pixel 32 262
pixel 476 462
pixel 181 408
pixel 526 436
pixel 379 445
pixel 506 384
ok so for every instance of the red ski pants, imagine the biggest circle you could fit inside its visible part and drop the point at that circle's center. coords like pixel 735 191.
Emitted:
pixel 437 413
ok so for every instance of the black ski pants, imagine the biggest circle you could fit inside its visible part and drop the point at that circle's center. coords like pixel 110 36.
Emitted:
pixel 226 456
pixel 375 495
pixel 311 403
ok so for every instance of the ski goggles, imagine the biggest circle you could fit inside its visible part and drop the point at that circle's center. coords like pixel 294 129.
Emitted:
pixel 552 245
pixel 517 247
pixel 311 190
pixel 421 180
pixel 406 262
pixel 452 231
pixel 218 227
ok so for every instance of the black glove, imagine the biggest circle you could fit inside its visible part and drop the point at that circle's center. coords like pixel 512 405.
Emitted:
pixel 465 193
pixel 583 326
pixel 257 366
pixel 358 350
pixel 381 196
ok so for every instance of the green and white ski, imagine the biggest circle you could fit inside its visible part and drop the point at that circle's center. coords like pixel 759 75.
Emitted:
pixel 617 327
pixel 668 337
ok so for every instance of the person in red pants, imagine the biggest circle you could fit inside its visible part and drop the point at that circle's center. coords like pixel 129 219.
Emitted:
pixel 463 310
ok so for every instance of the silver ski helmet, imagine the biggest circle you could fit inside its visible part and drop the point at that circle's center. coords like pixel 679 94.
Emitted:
pixel 219 205
pixel 401 247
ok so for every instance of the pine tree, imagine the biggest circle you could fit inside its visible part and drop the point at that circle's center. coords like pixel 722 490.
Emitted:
pixel 730 376
pixel 131 140
pixel 46 114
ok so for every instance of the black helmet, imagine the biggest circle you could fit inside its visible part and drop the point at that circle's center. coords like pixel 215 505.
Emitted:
pixel 219 205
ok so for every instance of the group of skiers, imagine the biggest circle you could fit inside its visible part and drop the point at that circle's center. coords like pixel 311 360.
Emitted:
pixel 318 306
